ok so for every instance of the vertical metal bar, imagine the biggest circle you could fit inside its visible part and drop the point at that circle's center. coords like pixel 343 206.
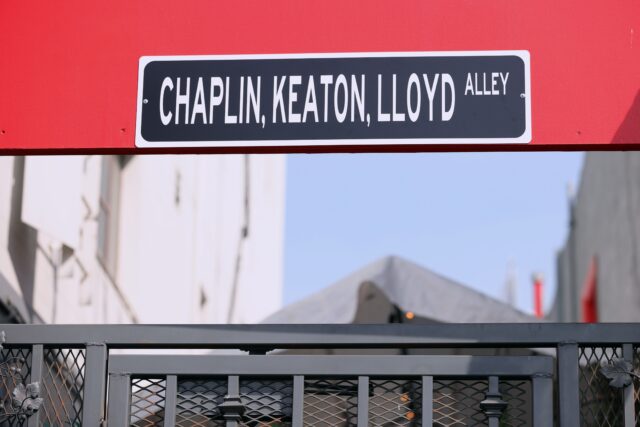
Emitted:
pixel 233 385
pixel 427 401
pixel 119 401
pixel 629 391
pixel 363 401
pixel 298 400
pixel 542 400
pixel 233 396
pixel 568 384
pixel 95 377
pixel 491 409
pixel 37 369
pixel 170 401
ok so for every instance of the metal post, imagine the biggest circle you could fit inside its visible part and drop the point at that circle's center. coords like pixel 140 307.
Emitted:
pixel 493 405
pixel 37 367
pixel 232 407
pixel 119 401
pixel 94 385
pixel 363 401
pixel 542 400
pixel 170 401
pixel 298 400
pixel 568 384
pixel 629 391
pixel 427 401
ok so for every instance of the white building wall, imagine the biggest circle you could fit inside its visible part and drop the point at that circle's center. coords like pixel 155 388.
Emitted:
pixel 179 233
pixel 266 228
pixel 6 191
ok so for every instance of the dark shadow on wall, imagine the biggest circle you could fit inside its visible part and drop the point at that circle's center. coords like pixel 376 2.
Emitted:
pixel 23 240
pixel 629 130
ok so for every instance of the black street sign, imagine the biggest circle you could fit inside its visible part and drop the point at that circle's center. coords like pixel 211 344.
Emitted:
pixel 334 99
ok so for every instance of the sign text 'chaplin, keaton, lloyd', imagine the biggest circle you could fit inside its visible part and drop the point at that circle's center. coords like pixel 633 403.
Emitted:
pixel 345 99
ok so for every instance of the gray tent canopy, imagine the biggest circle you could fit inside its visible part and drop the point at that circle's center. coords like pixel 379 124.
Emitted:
pixel 376 291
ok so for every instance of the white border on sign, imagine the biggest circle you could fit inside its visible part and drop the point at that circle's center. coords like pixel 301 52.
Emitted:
pixel 522 139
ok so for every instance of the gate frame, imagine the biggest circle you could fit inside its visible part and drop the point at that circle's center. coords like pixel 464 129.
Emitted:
pixel 538 369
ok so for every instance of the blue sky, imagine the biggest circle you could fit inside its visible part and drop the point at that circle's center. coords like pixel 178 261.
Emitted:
pixel 463 215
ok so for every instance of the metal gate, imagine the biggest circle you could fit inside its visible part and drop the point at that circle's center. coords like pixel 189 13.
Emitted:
pixel 325 391
pixel 321 375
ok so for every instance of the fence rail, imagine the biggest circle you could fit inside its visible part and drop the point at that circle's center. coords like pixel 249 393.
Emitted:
pixel 322 375
pixel 324 336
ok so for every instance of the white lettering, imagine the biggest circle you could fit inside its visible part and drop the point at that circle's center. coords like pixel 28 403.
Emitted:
pixel 431 92
pixel 166 83
pixel 341 82
pixel 382 117
pixel 241 109
pixel 397 117
pixel 228 118
pixel 182 100
pixel 414 82
pixel 469 85
pixel 199 106
pixel 310 104
pixel 253 101
pixel 293 97
pixel 216 82
pixel 326 80
pixel 484 85
pixel 504 82
pixel 494 91
pixel 278 101
pixel 357 97
pixel 447 81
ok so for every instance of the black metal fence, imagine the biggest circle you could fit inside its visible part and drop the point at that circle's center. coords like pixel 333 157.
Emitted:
pixel 322 375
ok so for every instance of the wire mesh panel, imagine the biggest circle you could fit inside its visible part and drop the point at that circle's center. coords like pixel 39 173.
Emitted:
pixel 600 404
pixel 267 402
pixel 636 383
pixel 198 402
pixel 395 402
pixel 330 402
pixel 519 397
pixel 15 368
pixel 457 402
pixel 147 402
pixel 62 387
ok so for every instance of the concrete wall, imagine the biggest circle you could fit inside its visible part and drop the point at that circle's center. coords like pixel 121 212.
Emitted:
pixel 181 247
pixel 605 225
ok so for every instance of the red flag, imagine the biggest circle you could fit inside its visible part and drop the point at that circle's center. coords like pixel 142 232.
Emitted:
pixel 589 298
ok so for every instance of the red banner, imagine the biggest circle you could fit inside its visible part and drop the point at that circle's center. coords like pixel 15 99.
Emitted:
pixel 69 70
